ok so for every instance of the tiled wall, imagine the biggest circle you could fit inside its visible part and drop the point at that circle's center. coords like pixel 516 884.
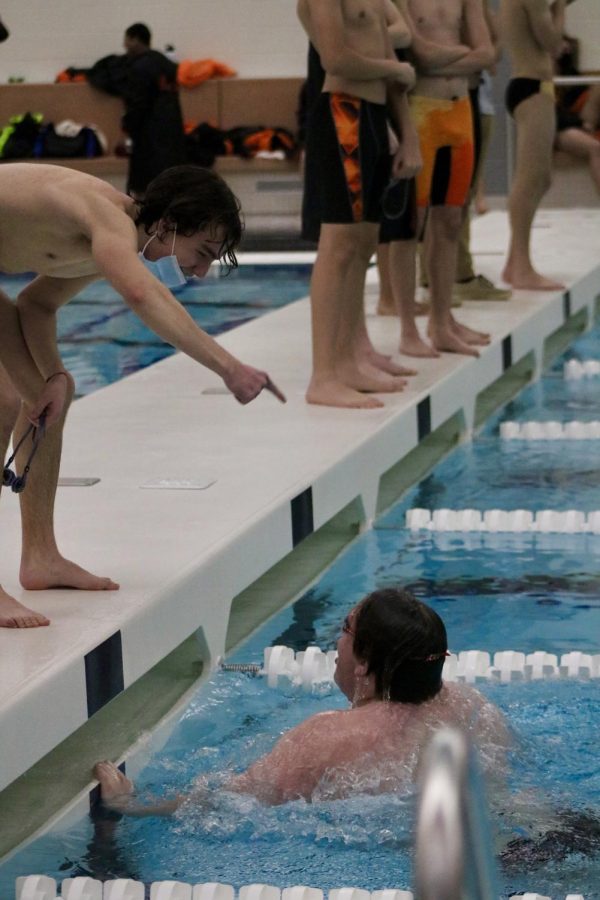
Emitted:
pixel 257 37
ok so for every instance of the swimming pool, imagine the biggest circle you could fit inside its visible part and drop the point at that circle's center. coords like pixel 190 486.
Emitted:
pixel 101 340
pixel 522 592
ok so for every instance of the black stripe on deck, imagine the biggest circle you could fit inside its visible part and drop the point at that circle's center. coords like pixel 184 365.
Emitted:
pixel 507 354
pixel 302 516
pixel 104 673
pixel 424 418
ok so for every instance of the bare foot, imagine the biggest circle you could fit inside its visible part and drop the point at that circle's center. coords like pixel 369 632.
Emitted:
pixel 468 335
pixel 114 786
pixel 530 280
pixel 368 378
pixel 416 346
pixel 421 308
pixel 445 339
pixel 336 393
pixel 62 573
pixel 386 364
pixel 386 309
pixel 14 615
pixel 481 206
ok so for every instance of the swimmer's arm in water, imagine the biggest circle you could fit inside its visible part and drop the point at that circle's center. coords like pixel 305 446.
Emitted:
pixel 323 21
pixel 481 54
pixel 293 768
pixel 117 793
pixel 114 249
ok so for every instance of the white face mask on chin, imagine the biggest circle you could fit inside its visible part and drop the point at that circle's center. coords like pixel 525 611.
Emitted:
pixel 166 269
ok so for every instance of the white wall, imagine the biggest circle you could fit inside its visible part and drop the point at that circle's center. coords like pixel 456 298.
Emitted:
pixel 256 37
pixel 583 22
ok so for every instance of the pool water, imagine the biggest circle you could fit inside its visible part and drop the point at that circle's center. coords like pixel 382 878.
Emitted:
pixel 516 591
pixel 101 340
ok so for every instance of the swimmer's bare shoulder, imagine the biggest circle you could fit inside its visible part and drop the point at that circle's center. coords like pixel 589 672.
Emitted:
pixel 57 197
pixel 482 717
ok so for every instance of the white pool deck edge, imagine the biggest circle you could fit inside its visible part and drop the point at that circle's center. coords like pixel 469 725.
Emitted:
pixel 280 471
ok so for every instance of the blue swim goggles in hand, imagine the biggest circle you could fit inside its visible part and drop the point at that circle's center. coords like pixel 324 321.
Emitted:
pixel 10 479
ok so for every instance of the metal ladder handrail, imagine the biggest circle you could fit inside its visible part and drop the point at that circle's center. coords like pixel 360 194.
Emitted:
pixel 454 858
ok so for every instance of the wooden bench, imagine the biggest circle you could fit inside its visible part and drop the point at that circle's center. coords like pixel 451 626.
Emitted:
pixel 224 103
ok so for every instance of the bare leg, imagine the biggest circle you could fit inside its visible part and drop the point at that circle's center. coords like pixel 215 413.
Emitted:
pixel 42 566
pixel 481 204
pixel 386 305
pixel 403 267
pixel 535 120
pixel 337 291
pixel 583 145
pixel 12 613
pixel 590 113
pixel 443 226
pixel 366 353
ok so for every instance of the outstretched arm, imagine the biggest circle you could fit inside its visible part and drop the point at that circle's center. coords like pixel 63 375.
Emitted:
pixel 290 771
pixel 113 242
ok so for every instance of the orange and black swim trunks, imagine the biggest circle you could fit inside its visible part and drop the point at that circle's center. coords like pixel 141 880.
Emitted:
pixel 347 159
pixel 445 129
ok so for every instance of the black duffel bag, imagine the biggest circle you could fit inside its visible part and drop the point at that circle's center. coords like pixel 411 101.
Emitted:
pixel 59 146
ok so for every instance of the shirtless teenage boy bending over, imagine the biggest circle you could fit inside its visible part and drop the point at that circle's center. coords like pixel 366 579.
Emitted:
pixel 72 229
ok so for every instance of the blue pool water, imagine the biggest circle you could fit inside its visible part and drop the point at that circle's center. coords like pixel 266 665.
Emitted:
pixel 101 340
pixel 520 592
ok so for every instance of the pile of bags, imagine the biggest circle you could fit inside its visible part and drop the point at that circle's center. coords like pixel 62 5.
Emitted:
pixel 27 136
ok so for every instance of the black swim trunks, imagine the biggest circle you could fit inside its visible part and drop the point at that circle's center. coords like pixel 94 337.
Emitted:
pixel 347 159
pixel 520 89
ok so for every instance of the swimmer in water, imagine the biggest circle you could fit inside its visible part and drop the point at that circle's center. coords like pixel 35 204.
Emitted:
pixel 391 652
pixel 72 229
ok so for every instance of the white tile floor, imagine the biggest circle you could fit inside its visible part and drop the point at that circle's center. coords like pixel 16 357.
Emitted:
pixel 182 555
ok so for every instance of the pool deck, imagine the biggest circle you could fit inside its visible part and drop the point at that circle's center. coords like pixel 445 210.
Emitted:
pixel 266 476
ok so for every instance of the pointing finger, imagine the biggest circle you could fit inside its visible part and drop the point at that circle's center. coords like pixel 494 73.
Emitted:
pixel 275 390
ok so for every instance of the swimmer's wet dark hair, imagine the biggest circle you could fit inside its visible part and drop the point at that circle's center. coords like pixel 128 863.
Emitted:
pixel 192 199
pixel 404 644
